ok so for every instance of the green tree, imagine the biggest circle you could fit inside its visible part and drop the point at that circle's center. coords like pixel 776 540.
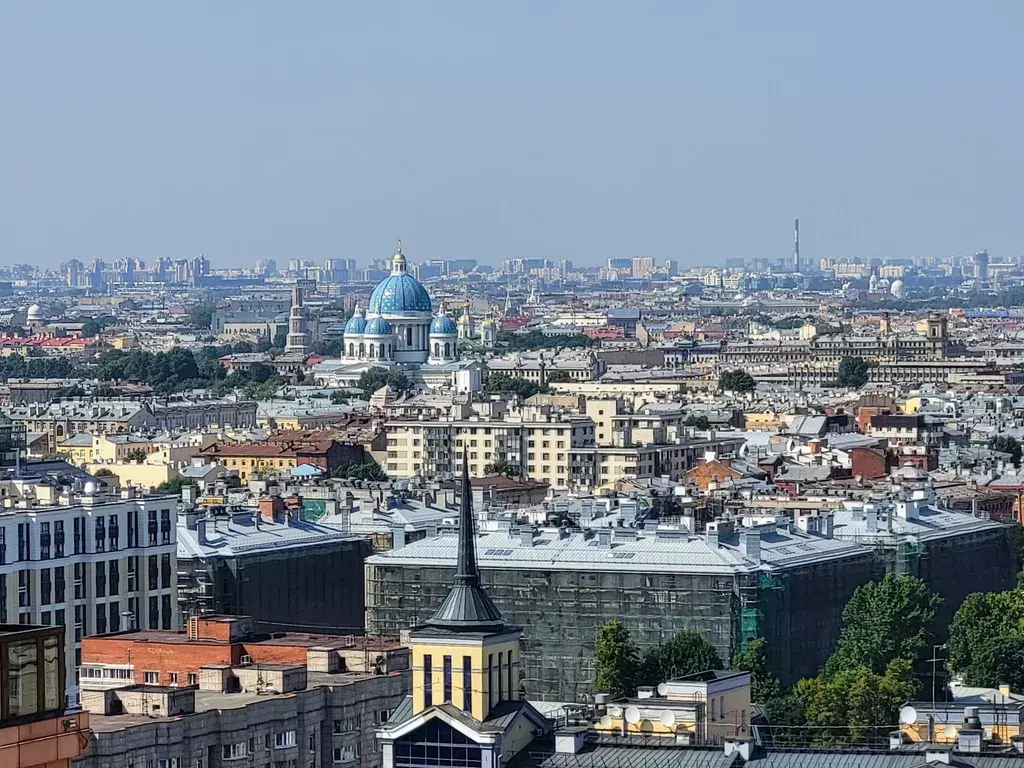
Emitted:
pixel 617 661
pixel 338 397
pixel 201 315
pixel 683 654
pixel 857 706
pixel 174 485
pixel 984 634
pixel 764 686
pixel 736 381
pixel 699 422
pixel 375 378
pixel 556 376
pixel 502 383
pixel 1007 444
pixel 883 621
pixel 852 372
pixel 137 455
pixel 368 469
pixel 258 373
pixel 502 466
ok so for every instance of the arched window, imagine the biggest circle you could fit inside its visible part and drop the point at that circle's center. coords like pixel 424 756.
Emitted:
pixel 408 336
pixel 447 349
pixel 351 349
pixel 437 349
pixel 362 349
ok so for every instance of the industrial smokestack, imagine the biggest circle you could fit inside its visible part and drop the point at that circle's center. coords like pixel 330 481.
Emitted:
pixel 796 245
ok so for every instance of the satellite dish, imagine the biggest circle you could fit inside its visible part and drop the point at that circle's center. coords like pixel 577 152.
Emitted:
pixel 949 732
pixel 662 689
pixel 90 487
pixel 632 715
pixel 908 715
pixel 606 722
pixel 668 719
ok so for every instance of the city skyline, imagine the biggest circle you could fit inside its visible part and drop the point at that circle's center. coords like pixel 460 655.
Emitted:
pixel 678 132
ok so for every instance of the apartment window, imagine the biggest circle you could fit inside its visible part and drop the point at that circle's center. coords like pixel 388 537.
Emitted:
pixel 447 679
pixel 112 532
pixel 151 678
pixel 23 541
pixel 133 528
pixel 165 571
pixel 312 742
pixel 24 580
pixel 345 754
pixel 193 678
pixel 154 572
pixel 44 541
pixel 428 681
pixel 79 622
pixel 284 739
pixel 151 527
pixel 79 535
pixel 233 751
pixel 3 547
pixel 154 613
pixel 133 612
pixel 501 678
pixel 165 526
pixel 101 619
pixel 45 618
pixel 133 583
pixel 114 577
pixel 490 678
pixel 115 615
pixel 101 578
pixel 58 538
pixel 58 618
pixel 467 684
pixel 45 586
pixel 100 535
pixel 3 599
pixel 165 612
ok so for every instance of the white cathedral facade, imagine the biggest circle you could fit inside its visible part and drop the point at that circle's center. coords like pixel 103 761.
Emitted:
pixel 399 328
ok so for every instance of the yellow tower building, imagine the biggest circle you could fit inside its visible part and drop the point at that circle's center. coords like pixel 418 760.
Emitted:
pixel 465 698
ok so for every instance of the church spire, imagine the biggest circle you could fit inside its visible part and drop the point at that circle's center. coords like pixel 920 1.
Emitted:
pixel 467 607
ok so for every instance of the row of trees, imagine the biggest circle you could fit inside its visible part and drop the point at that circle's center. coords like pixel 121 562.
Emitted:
pixel 534 340
pixel 887 634
pixel 851 373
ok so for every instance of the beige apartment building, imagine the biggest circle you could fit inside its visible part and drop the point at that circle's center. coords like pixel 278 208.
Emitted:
pixel 539 448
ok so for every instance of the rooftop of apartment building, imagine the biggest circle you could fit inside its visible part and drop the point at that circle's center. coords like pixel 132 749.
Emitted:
pixel 249 532
pixel 197 700
pixel 726 548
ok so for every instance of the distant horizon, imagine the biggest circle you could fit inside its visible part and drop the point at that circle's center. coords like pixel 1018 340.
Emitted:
pixel 585 132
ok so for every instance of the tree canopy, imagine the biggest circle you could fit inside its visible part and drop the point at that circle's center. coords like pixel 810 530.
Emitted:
pixel 502 383
pixel 764 685
pixel 852 372
pixel 682 654
pixel 201 315
pixel 538 340
pixel 736 381
pixel 986 636
pixel 617 660
pixel 1007 444
pixel 375 378
pixel 883 621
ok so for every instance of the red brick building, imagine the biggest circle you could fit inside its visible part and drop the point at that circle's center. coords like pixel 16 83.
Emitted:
pixel 174 658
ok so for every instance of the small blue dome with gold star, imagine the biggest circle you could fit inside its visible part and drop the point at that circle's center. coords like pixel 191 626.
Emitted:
pixel 377 326
pixel 444 325
pixel 356 324
pixel 400 292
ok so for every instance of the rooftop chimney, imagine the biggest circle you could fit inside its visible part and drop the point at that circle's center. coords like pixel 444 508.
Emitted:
pixel 750 544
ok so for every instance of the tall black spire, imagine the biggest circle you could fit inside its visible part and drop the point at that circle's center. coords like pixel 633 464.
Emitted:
pixel 467 607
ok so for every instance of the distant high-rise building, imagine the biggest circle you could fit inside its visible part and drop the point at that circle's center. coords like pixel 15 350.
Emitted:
pixel 620 264
pixel 72 271
pixel 643 267
pixel 981 265
pixel 265 267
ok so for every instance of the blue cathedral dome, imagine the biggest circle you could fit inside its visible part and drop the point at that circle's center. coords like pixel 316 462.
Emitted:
pixel 377 326
pixel 399 293
pixel 442 324
pixel 356 324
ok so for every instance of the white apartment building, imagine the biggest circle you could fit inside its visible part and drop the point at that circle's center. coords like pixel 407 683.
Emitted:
pixel 88 561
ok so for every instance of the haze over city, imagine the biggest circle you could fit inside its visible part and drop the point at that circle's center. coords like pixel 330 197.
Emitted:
pixel 580 131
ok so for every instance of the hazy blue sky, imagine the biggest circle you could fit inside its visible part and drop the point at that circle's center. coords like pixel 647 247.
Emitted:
pixel 694 130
